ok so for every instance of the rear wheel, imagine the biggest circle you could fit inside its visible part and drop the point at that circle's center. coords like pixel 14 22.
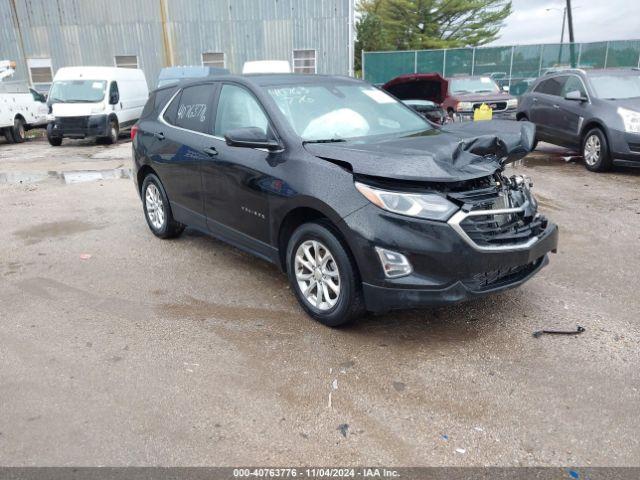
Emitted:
pixel 19 132
pixel 323 275
pixel 157 210
pixel 595 151
pixel 535 140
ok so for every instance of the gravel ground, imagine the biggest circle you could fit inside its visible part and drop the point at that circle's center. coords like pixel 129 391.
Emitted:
pixel 117 348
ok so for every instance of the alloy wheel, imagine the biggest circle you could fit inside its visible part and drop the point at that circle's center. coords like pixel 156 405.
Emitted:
pixel 317 275
pixel 155 206
pixel 592 150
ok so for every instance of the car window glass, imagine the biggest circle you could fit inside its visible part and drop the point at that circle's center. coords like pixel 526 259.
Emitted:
pixel 551 86
pixel 172 110
pixel 237 108
pixel 194 108
pixel 113 90
pixel 572 84
pixel 149 106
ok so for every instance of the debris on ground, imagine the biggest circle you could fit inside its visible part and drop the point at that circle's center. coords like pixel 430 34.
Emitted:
pixel 578 330
pixel 85 256
pixel 343 428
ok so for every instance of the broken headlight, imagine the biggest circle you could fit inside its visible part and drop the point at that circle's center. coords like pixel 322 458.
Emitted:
pixel 422 205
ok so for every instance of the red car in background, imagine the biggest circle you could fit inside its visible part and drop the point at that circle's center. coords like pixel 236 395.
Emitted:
pixel 458 96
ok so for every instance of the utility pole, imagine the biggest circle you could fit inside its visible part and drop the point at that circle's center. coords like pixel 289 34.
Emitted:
pixel 564 20
pixel 571 38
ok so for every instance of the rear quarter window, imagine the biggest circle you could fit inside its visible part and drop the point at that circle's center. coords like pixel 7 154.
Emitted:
pixel 194 108
pixel 551 86
pixel 172 110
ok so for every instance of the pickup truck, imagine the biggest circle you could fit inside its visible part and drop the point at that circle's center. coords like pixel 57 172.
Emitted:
pixel 21 109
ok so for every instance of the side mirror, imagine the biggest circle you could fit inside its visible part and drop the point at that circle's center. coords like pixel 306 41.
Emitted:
pixel 114 98
pixel 505 88
pixel 575 96
pixel 250 137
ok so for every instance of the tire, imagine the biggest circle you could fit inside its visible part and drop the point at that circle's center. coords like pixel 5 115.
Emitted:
pixel 340 308
pixel 595 151
pixel 19 132
pixel 53 140
pixel 8 134
pixel 114 131
pixel 154 195
pixel 535 140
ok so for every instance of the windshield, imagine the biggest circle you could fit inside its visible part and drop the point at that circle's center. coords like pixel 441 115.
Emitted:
pixel 616 86
pixel 473 85
pixel 335 112
pixel 77 91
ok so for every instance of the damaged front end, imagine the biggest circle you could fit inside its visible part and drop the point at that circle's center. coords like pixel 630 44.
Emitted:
pixel 458 236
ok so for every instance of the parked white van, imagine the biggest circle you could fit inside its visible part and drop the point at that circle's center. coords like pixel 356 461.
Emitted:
pixel 95 102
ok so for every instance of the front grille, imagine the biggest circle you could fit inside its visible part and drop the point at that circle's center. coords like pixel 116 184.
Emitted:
pixel 497 217
pixel 503 276
pixel 73 123
pixel 495 106
pixel 503 229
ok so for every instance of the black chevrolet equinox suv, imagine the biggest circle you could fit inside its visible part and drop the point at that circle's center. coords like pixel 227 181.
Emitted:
pixel 362 202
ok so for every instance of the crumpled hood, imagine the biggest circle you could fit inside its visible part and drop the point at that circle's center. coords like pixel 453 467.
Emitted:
pixel 456 152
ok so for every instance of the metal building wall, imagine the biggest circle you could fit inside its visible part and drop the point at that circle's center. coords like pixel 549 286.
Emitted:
pixel 92 32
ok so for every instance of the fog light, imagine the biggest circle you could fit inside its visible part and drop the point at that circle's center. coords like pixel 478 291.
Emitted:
pixel 394 264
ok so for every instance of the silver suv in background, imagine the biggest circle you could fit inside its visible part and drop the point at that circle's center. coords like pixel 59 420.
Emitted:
pixel 594 111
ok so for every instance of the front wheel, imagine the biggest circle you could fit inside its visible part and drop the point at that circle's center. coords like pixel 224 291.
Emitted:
pixel 595 151
pixel 157 210
pixel 8 134
pixel 114 131
pixel 323 275
pixel 53 140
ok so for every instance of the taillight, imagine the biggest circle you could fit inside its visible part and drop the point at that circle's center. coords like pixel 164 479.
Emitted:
pixel 134 131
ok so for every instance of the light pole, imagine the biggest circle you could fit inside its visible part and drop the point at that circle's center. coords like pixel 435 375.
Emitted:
pixel 571 39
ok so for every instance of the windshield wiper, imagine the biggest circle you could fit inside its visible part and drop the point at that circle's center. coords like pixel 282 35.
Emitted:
pixel 326 140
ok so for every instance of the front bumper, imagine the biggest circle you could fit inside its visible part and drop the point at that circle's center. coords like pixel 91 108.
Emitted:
pixel 446 268
pixel 624 146
pixel 79 127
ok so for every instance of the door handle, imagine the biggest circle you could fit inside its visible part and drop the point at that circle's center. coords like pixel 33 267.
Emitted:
pixel 211 151
pixel 557 107
pixel 159 135
pixel 535 100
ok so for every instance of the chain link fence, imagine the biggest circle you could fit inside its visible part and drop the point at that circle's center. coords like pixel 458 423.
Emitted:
pixel 515 66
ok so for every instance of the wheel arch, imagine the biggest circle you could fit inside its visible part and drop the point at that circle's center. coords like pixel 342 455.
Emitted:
pixel 142 173
pixel 302 214
pixel 591 124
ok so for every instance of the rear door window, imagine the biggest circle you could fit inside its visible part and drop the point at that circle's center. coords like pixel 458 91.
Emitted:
pixel 194 108
pixel 551 86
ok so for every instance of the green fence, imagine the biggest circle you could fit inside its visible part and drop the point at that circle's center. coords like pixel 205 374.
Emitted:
pixel 514 65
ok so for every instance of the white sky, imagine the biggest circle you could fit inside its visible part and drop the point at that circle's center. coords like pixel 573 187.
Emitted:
pixel 593 20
